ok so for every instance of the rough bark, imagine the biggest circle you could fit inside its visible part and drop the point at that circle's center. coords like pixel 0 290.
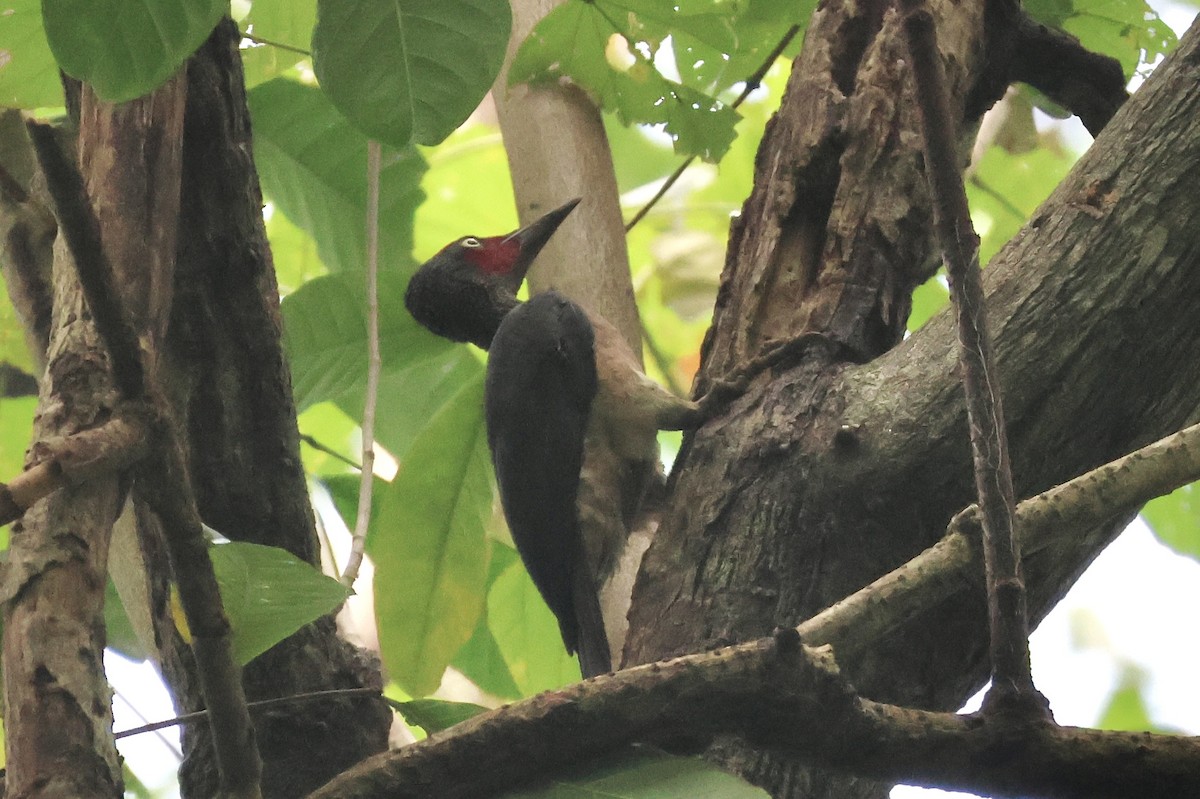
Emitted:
pixel 833 474
pixel 55 687
pixel 58 717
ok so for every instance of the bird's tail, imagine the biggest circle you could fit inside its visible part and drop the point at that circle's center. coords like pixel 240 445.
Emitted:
pixel 594 655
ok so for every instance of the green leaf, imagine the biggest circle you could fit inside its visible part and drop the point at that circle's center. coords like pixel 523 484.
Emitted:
pixel 325 333
pixel 325 336
pixel 572 41
pixel 313 166
pixel 1175 519
pixel 293 251
pixel 480 659
pixel 409 70
pixel 468 189
pixel 644 774
pixel 119 633
pixel 329 427
pixel 28 72
pixel 435 715
pixel 1006 188
pixel 16 429
pixel 527 634
pixel 429 546
pixel 269 593
pixel 126 48
pixel 1128 30
pixel 929 298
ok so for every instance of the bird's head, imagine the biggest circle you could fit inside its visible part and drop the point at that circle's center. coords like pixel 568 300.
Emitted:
pixel 464 291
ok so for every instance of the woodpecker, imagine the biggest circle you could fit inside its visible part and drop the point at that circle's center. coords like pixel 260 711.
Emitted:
pixel 571 419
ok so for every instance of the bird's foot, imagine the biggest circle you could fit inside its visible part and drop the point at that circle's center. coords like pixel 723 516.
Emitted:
pixel 723 391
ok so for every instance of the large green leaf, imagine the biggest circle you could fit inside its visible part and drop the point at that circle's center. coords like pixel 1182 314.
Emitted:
pixel 268 594
pixel 326 335
pixel 313 165
pixel 409 70
pixel 28 73
pixel 480 659
pixel 126 48
pixel 644 774
pixel 1128 30
pixel 293 251
pixel 527 634
pixel 1175 519
pixel 468 189
pixel 429 546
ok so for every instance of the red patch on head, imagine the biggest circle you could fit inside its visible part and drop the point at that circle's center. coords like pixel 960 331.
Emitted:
pixel 496 255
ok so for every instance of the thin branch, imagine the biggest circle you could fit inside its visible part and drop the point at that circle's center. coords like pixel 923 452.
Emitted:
pixel 753 81
pixel 1108 492
pixel 105 450
pixel 259 705
pixel 280 45
pixel 1091 85
pixel 81 229
pixel 1012 682
pixel 328 450
pixel 374 366
pixel 660 360
pixel 1000 199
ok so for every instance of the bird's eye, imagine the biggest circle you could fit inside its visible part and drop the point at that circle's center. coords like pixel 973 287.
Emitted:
pixel 470 241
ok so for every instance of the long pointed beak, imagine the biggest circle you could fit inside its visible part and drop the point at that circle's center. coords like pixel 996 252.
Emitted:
pixel 533 237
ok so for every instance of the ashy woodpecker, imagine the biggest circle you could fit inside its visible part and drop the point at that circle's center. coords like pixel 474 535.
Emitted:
pixel 571 418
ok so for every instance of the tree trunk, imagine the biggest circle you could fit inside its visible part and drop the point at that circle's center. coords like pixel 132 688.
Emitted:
pixel 226 374
pixel 833 473
pixel 221 367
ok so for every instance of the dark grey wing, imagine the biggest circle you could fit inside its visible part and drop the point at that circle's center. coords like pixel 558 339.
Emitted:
pixel 541 380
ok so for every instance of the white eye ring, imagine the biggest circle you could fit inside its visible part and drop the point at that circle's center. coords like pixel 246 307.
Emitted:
pixel 470 241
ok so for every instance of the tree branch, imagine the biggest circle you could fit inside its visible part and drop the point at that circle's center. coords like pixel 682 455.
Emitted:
pixel 106 450
pixel 1044 523
pixel 780 694
pixel 1091 85
pixel 557 149
pixel 796 702
pixel 1012 681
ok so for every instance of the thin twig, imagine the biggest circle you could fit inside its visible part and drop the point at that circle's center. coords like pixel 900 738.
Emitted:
pixel 1003 201
pixel 261 704
pixel 328 450
pixel 374 366
pixel 752 82
pixel 290 48
pixel 1012 683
